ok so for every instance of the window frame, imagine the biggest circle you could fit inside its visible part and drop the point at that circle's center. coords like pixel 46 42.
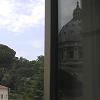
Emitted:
pixel 51 50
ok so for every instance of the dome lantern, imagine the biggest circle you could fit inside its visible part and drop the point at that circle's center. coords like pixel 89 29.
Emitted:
pixel 77 12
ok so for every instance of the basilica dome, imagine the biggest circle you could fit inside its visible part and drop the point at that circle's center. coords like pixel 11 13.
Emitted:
pixel 71 31
pixel 70 56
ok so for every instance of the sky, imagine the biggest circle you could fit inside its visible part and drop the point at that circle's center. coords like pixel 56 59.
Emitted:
pixel 22 26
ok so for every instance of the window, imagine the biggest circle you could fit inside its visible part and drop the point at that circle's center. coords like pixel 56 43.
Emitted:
pixel 80 82
pixel 6 96
pixel 69 86
pixel 1 96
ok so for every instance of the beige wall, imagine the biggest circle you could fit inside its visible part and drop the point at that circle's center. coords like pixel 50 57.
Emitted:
pixel 91 49
pixel 4 92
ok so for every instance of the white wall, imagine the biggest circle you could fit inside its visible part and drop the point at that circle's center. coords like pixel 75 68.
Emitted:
pixel 4 92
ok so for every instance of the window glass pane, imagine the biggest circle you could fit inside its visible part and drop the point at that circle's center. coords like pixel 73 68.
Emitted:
pixel 70 83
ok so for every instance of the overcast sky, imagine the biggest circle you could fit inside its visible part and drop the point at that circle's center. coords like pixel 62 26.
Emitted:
pixel 22 26
pixel 66 8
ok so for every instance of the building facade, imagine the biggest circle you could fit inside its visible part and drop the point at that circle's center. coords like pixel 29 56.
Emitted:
pixel 3 93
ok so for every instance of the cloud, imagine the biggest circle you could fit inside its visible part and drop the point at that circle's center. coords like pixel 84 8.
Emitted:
pixel 18 15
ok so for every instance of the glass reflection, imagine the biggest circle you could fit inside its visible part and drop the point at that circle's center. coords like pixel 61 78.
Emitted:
pixel 70 51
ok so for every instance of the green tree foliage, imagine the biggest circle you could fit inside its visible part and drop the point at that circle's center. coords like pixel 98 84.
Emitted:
pixel 6 59
pixel 23 77
pixel 38 82
pixel 6 55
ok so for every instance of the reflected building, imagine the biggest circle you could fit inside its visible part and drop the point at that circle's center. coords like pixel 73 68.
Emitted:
pixel 70 57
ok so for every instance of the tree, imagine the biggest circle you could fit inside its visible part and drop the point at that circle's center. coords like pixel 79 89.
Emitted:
pixel 6 55
pixel 6 59
pixel 39 79
pixel 23 77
